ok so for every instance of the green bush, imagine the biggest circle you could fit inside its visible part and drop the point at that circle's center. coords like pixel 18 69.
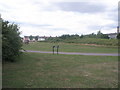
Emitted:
pixel 11 41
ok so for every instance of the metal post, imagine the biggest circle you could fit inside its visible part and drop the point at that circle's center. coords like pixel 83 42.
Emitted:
pixel 53 49
pixel 57 49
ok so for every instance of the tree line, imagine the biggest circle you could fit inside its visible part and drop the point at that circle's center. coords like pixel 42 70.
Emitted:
pixel 93 35
pixel 76 36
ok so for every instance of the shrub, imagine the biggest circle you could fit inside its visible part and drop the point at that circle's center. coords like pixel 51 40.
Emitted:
pixel 11 41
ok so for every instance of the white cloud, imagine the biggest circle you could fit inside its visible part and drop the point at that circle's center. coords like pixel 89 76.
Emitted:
pixel 35 13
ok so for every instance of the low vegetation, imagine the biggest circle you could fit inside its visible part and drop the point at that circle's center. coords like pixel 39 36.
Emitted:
pixel 98 39
pixel 34 70
pixel 108 42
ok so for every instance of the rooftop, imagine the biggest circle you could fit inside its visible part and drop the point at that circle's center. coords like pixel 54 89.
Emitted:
pixel 111 34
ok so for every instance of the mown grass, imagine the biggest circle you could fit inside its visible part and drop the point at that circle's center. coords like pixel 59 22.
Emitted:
pixel 34 70
pixel 71 47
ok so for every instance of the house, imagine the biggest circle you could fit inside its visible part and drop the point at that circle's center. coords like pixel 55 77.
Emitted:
pixel 26 38
pixel 40 38
pixel 43 38
pixel 113 35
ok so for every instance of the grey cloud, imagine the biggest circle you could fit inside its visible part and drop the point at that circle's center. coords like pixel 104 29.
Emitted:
pixel 95 27
pixel 108 26
pixel 5 6
pixel 113 15
pixel 35 25
pixel 2 11
pixel 111 26
pixel 44 26
pixel 53 28
pixel 83 7
pixel 37 3
pixel 32 24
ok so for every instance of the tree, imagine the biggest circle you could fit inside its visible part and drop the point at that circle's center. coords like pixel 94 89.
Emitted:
pixel 66 36
pixel 31 37
pixel 92 35
pixel 75 36
pixel 99 34
pixel 81 36
pixel 11 41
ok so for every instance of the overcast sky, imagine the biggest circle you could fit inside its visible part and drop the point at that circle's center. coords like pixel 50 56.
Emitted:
pixel 57 17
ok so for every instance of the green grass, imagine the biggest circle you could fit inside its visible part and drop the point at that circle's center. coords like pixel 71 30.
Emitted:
pixel 34 70
pixel 71 47
pixel 110 42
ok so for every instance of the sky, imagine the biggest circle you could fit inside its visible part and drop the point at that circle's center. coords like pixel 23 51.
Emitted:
pixel 58 17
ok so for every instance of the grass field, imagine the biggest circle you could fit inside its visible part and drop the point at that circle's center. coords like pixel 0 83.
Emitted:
pixel 110 42
pixel 67 47
pixel 34 70
pixel 98 41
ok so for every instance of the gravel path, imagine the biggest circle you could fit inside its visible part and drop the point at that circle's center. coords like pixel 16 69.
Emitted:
pixel 77 53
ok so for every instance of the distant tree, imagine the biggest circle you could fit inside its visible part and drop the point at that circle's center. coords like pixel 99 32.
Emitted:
pixel 65 36
pixel 31 37
pixel 75 36
pixel 99 34
pixel 92 35
pixel 11 41
pixel 81 36
pixel 36 38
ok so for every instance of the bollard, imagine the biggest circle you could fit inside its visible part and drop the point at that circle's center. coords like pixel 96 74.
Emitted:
pixel 57 48
pixel 53 49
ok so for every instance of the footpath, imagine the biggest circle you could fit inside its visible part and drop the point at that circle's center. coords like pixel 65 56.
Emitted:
pixel 76 53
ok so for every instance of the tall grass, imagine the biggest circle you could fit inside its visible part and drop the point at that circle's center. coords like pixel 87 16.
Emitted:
pixel 98 41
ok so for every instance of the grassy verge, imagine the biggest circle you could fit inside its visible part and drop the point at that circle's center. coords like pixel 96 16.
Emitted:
pixel 71 47
pixel 34 70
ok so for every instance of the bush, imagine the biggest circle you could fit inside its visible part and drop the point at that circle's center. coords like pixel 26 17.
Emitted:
pixel 11 41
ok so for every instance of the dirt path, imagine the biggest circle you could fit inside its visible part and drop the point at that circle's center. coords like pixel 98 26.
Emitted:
pixel 76 53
